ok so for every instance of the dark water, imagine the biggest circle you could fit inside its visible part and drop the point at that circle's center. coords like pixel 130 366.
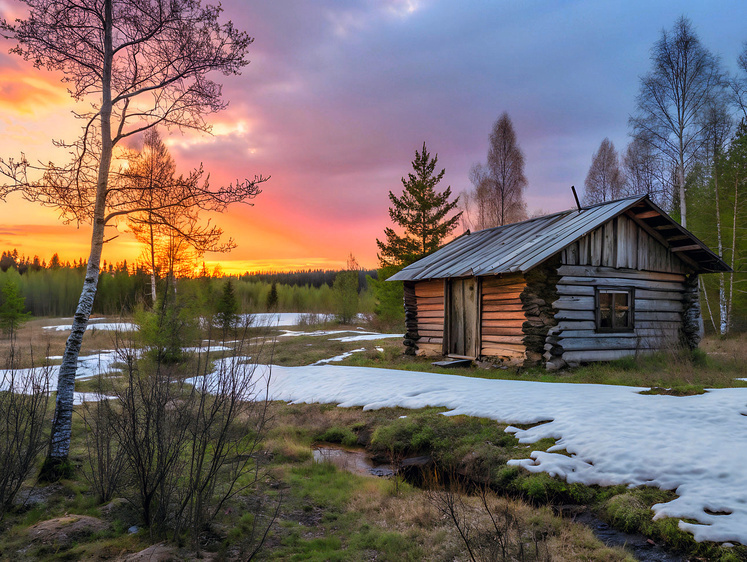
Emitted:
pixel 358 461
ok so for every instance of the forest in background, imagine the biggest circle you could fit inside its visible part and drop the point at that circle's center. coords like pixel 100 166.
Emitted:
pixel 53 289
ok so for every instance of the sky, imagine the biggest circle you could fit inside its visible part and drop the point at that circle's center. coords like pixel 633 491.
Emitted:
pixel 339 95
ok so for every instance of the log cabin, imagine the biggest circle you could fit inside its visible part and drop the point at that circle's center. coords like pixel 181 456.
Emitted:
pixel 590 284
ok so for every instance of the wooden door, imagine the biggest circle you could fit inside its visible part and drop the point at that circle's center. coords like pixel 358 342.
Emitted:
pixel 463 317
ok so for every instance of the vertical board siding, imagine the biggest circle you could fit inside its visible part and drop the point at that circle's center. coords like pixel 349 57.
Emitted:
pixel 429 302
pixel 658 312
pixel 621 243
pixel 502 317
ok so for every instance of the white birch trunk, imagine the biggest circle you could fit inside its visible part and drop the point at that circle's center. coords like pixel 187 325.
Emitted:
pixel 59 446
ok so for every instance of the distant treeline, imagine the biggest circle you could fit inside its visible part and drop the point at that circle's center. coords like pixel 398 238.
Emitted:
pixel 311 277
pixel 53 289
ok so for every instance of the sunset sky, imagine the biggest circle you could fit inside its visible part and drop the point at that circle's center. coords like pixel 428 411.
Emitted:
pixel 339 95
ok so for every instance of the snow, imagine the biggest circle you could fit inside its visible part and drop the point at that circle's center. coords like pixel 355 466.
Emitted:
pixel 339 357
pixel 275 319
pixel 695 445
pixel 109 326
pixel 359 335
pixel 24 380
pixel 367 337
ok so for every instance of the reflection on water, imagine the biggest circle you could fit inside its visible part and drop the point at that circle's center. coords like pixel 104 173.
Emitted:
pixel 352 460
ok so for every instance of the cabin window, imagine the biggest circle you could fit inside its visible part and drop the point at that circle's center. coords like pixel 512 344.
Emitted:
pixel 614 310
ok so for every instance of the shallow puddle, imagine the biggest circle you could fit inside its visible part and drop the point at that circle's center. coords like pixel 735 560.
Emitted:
pixel 356 461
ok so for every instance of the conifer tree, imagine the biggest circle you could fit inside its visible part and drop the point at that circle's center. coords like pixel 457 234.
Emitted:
pixel 227 309
pixel 421 212
pixel 272 297
pixel 12 309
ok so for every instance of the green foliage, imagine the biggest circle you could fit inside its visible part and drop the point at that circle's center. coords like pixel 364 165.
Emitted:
pixel 341 435
pixel 166 330
pixel 421 211
pixel 227 308
pixel 12 309
pixel 272 298
pixel 389 295
pixel 346 296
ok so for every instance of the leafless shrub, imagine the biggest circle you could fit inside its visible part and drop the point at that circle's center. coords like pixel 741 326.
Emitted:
pixel 24 400
pixel 491 527
pixel 188 433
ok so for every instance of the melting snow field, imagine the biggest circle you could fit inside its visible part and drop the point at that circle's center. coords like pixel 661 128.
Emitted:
pixel 108 326
pixel 695 445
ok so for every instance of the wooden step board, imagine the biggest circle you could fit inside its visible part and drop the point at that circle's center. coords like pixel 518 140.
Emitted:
pixel 453 363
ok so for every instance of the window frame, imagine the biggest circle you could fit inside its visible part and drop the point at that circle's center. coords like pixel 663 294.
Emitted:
pixel 630 291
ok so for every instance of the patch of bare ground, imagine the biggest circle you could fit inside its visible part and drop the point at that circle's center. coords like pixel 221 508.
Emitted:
pixel 63 531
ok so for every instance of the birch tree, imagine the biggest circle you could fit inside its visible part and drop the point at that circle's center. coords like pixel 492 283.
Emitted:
pixel 646 172
pixel 166 221
pixel 604 182
pixel 673 94
pixel 138 64
pixel 497 197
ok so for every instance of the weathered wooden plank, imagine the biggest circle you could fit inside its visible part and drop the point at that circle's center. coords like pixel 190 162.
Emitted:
pixel 501 324
pixel 489 331
pixel 639 333
pixel 596 247
pixel 572 290
pixel 502 297
pixel 515 339
pixel 658 305
pixel 658 316
pixel 506 306
pixel 490 281
pixel 622 282
pixel 621 242
pixel 593 343
pixel 514 288
pixel 429 291
pixel 422 307
pixel 625 273
pixel 504 315
pixel 575 315
pixel 598 355
pixel 583 251
pixel 499 349
pixel 431 314
pixel 430 300
pixel 647 214
pixel 576 325
pixel 658 295
pixel 608 244
pixel 643 244
pixel 431 333
pixel 430 327
pixel 431 340
pixel 575 303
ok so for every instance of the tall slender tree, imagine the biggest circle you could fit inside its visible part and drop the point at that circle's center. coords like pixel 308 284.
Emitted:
pixel 646 172
pixel 421 212
pixel 166 219
pixel 604 182
pixel 139 63
pixel 497 197
pixel 684 77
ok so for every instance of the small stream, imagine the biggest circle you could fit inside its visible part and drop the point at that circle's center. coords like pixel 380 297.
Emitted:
pixel 359 462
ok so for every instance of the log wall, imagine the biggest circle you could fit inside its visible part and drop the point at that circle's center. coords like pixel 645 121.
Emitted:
pixel 502 318
pixel 621 243
pixel 658 309
pixel 428 299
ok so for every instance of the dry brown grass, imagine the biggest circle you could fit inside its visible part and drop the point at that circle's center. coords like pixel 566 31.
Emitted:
pixel 34 344
pixel 414 515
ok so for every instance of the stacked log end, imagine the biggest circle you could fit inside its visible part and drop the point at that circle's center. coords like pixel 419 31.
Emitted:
pixel 411 319
pixel 691 331
pixel 536 299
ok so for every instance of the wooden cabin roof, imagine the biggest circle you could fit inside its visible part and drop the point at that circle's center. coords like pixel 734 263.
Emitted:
pixel 522 246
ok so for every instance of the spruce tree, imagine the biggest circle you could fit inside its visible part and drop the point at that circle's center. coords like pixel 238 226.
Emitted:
pixel 227 309
pixel 12 309
pixel 421 212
